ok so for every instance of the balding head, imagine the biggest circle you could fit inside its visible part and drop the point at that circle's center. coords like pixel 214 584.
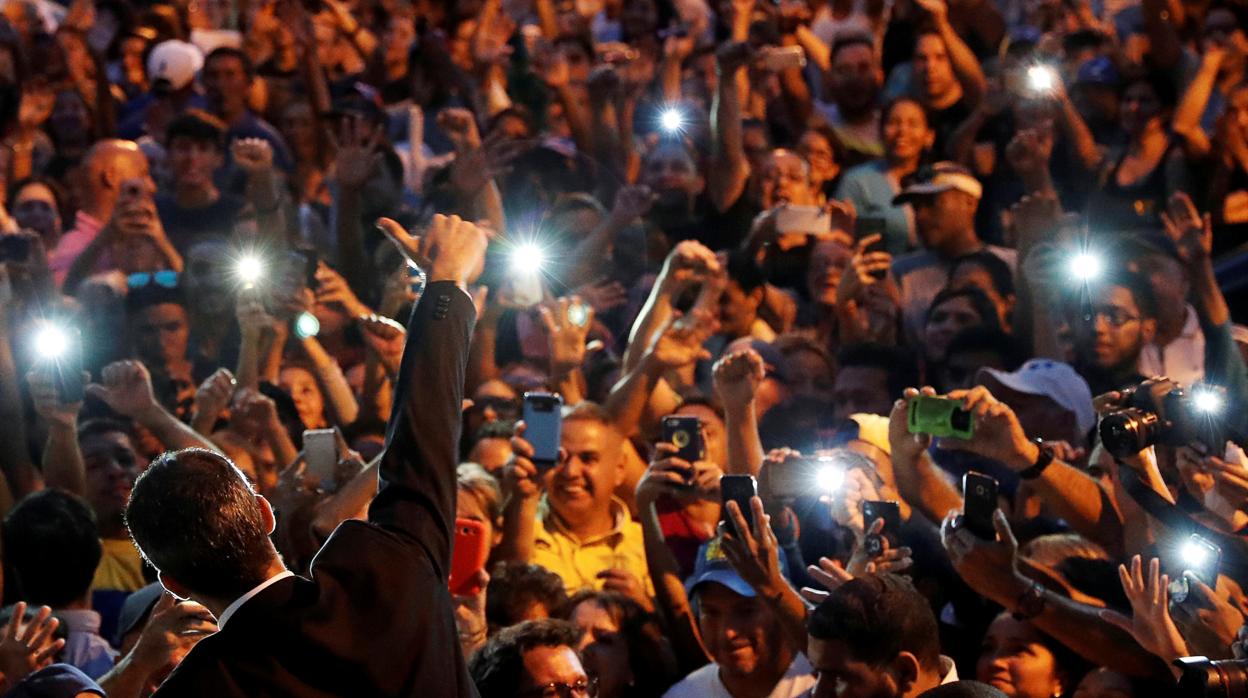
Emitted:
pixel 109 163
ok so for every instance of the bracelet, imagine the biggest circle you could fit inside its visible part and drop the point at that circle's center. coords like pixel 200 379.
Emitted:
pixel 1030 603
pixel 1044 458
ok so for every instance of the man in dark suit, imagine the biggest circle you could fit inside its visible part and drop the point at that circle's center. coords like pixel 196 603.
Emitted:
pixel 376 617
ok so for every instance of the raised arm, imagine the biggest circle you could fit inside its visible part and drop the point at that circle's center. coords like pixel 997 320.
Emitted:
pixel 416 482
pixel 126 387
pixel 737 377
pixel 965 65
pixel 729 167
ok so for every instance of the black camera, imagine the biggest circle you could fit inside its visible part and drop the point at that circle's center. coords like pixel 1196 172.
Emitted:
pixel 1179 418
pixel 1213 679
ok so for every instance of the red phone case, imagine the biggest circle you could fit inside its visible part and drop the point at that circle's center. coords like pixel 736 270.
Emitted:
pixel 469 555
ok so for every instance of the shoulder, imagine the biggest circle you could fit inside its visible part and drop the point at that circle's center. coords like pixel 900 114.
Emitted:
pixel 699 684
pixel 911 262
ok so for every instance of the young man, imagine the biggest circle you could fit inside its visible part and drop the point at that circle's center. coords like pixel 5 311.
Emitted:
pixel 531 659
pixel 1121 322
pixel 159 332
pixel 198 521
pixel 854 82
pixel 195 208
pixel 869 378
pixel 227 78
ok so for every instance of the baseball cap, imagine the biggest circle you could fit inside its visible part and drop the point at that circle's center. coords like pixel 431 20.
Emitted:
pixel 1054 380
pixel 713 566
pixel 175 63
pixel 1098 71
pixel 775 363
pixel 940 177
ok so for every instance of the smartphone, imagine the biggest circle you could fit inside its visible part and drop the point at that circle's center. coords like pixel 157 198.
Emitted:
pixel 803 219
pixel 867 226
pixel 939 416
pixel 468 556
pixel 320 454
pixel 68 369
pixel 979 502
pixel 891 513
pixel 1201 557
pixel 739 489
pixel 543 427
pixel 782 57
pixel 686 434
pixel 304 262
pixel 14 248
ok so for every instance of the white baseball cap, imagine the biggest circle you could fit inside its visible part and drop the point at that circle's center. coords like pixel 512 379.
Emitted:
pixel 1054 380
pixel 176 62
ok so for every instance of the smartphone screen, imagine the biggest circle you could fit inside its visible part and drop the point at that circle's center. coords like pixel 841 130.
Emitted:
pixel 979 502
pixel 543 422
pixel 68 369
pixel 739 489
pixel 891 513
pixel 939 416
pixel 685 433
pixel 320 453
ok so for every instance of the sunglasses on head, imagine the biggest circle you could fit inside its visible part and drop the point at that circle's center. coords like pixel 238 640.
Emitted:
pixel 166 278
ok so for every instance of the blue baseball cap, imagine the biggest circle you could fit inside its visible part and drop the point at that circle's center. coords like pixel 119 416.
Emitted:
pixel 713 566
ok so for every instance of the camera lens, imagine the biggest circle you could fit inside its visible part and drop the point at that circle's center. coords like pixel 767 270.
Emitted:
pixel 1205 679
pixel 960 420
pixel 1128 432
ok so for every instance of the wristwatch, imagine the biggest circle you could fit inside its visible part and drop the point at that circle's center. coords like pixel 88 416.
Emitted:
pixel 1043 458
pixel 1030 602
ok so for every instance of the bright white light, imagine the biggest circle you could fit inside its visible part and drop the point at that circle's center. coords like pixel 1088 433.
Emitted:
pixel 1194 554
pixel 249 268
pixel 1041 78
pixel 1086 266
pixel 527 258
pixel 671 120
pixel 1207 401
pixel 829 478
pixel 306 325
pixel 577 314
pixel 51 342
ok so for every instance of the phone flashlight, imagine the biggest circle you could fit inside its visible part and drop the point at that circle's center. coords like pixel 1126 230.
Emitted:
pixel 51 342
pixel 671 120
pixel 248 269
pixel 527 258
pixel 829 477
pixel 306 325
pixel 1086 266
pixel 1194 554
pixel 578 314
pixel 1207 401
pixel 1041 78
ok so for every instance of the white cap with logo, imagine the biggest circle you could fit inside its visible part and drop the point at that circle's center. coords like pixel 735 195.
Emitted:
pixel 175 62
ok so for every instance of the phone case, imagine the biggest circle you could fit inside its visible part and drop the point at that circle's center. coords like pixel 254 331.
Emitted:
pixel 739 489
pixel 686 434
pixel 543 420
pixel 940 417
pixel 979 503
pixel 468 556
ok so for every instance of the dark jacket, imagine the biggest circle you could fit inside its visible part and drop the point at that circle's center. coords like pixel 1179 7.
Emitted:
pixel 376 617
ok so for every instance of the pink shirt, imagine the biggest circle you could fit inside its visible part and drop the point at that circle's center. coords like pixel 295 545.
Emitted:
pixel 71 244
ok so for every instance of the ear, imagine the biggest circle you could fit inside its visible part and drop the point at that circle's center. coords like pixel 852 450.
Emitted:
pixel 1148 330
pixel 266 514
pixel 905 671
pixel 172 586
pixel 930 139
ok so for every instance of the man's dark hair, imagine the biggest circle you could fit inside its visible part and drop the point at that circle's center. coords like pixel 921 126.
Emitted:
pixel 228 52
pixel 878 616
pixel 983 339
pixel 1141 290
pixel 198 126
pixel 963 689
pixel 103 425
pixel 1000 273
pixel 51 543
pixel 745 271
pixel 848 39
pixel 515 587
pixel 195 518
pixel 899 364
pixel 976 297
pixel 498 668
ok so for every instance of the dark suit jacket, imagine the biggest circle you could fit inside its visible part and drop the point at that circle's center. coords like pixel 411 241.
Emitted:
pixel 376 617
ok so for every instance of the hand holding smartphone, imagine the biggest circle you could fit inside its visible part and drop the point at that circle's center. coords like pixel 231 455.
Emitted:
pixel 890 512
pixel 979 504
pixel 740 489
pixel 543 428
pixel 685 433
pixel 468 557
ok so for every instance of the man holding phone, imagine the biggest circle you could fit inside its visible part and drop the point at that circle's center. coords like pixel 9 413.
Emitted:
pixel 376 616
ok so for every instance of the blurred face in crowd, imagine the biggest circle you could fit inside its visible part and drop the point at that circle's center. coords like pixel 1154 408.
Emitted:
pixel 1222 28
pixel 785 179
pixel 469 506
pixel 933 72
pixel 756 144
pixel 639 18
pixel 226 82
pixel 193 161
pixel 491 453
pixel 975 276
pixel 740 634
pixel 111 465
pixel 672 175
pixel 944 217
pixel 738 309
pixel 303 389
pixel 1140 108
pixel 546 665
pixel 396 41
pixel 1112 341
pixel 603 649
pixel 944 322
pixel 206 280
pixel 1104 683
pixel 298 125
pixel 161 334
pixel 1015 660
pixel 35 208
pixel 811 374
pixel 856 77
pixel 860 389
pixel 959 368
pixel 828 261
pixel 817 151
pixel 906 132
pixel 1168 278
pixel 70 121
pixel 589 470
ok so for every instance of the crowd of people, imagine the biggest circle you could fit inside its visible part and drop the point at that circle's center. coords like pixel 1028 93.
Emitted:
pixel 623 348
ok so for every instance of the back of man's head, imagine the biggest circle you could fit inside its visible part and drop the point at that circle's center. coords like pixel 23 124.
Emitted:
pixel 196 519
pixel 963 689
pixel 878 617
pixel 518 589
pixel 51 544
pixel 498 668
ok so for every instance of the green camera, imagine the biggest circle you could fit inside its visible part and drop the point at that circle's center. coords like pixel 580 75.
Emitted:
pixel 939 416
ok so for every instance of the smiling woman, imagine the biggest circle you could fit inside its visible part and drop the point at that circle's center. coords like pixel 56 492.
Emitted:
pixel 1023 662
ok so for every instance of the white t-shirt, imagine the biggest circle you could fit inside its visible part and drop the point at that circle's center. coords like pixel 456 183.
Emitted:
pixel 705 682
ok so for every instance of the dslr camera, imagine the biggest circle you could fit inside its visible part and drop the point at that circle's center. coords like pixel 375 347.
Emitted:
pixel 1204 678
pixel 1150 415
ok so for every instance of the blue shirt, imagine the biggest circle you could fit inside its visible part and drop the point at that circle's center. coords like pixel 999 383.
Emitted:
pixel 871 190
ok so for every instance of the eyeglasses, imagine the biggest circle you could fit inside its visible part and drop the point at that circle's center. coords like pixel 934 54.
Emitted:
pixel 580 689
pixel 1116 317
pixel 165 279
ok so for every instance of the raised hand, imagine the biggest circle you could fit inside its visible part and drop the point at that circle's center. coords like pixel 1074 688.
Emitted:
pixel 632 202
pixel 1030 149
pixel 754 553
pixel 737 377
pixel 126 387
pixel 213 396
pixel 988 567
pixel 452 249
pixel 1207 619
pixel 355 146
pixel 732 55
pixel 888 560
pixel 252 155
pixel 998 433
pixel 1191 232
pixel 904 446
pixel 1150 622
pixel 680 343
pixel 567 322
pixel 171 631
pixel 938 9
pixel 27 647
pixel 460 126
pixel 470 613
pixel 333 289
pixel 475 168
pixel 386 338
pixel 603 296
pixel 828 573
pixel 48 404
pixel 689 262
pixel 1035 216
pixel 552 67
pixel 520 476
pixel 624 582
pixel 668 474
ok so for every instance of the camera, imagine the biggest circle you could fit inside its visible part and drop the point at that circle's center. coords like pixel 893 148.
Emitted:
pixel 1179 418
pixel 1214 679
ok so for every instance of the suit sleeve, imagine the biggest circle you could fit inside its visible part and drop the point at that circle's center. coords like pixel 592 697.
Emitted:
pixel 416 483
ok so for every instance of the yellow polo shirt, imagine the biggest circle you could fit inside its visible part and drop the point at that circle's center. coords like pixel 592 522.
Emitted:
pixel 578 562
pixel 120 568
